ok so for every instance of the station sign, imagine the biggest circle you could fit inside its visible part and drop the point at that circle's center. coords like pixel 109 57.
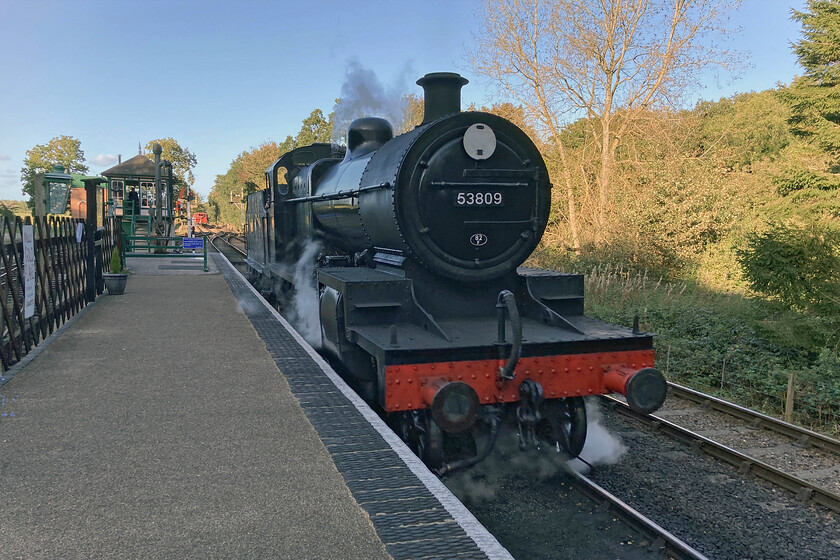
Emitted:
pixel 28 271
pixel 193 243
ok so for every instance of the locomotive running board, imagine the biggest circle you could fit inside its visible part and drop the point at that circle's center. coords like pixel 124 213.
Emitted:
pixel 372 297
pixel 551 295
pixel 551 317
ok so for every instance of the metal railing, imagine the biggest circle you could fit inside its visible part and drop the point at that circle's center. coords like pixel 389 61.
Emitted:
pixel 60 259
pixel 146 246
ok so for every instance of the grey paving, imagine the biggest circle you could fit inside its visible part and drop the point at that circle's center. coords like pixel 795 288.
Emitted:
pixel 177 266
pixel 158 426
pixel 414 514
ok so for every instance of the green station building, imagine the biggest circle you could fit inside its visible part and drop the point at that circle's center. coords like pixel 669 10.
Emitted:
pixel 137 172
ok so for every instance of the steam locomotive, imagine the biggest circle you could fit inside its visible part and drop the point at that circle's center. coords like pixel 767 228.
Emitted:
pixel 423 305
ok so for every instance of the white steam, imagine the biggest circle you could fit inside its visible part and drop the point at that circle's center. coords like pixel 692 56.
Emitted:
pixel 601 447
pixel 483 481
pixel 304 314
pixel 364 95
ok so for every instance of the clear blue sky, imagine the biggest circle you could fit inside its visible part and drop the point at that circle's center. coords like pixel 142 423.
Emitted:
pixel 222 77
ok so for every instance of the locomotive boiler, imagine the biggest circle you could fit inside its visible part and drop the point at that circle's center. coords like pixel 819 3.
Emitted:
pixel 423 305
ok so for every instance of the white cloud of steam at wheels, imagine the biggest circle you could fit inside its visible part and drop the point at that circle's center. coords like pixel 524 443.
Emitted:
pixel 304 314
pixel 601 447
pixel 484 480
pixel 364 95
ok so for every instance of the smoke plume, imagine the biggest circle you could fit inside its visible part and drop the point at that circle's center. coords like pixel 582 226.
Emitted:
pixel 364 95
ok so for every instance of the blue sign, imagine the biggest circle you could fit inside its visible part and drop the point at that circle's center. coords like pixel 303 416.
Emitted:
pixel 193 243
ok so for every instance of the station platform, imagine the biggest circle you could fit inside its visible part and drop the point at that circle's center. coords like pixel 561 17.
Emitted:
pixel 185 419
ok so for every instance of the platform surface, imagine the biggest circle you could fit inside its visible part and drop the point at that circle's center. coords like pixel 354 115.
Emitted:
pixel 183 420
pixel 158 426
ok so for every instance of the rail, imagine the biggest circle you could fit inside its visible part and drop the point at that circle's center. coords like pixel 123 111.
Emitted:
pixel 803 489
pixel 668 545
pixel 146 246
pixel 225 238
pixel 803 436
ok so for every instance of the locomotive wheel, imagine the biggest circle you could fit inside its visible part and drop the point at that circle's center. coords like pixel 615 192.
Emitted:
pixel 422 435
pixel 433 455
pixel 564 424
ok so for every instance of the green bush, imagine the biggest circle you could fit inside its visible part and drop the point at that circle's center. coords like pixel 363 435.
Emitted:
pixel 739 348
pixel 800 179
pixel 116 265
pixel 798 265
pixel 818 390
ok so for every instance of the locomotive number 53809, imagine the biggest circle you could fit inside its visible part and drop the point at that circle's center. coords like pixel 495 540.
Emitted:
pixel 479 199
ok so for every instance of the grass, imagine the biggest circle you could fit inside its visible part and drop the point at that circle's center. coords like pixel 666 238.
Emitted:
pixel 739 348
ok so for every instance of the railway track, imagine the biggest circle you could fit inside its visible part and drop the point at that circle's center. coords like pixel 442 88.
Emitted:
pixel 662 542
pixel 721 508
pixel 229 245
pixel 801 437
pixel 798 460
pixel 539 509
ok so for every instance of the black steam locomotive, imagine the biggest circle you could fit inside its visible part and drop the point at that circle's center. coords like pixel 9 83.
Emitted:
pixel 423 305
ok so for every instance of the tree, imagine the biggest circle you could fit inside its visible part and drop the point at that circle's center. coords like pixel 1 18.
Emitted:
pixel 815 97
pixel 514 113
pixel 250 173
pixel 245 176
pixel 742 129
pixel 315 128
pixel 247 172
pixel 183 161
pixel 810 177
pixel 610 63
pixel 799 262
pixel 61 150
pixel 798 265
pixel 221 209
pixel 412 115
pixel 819 50
pixel 6 212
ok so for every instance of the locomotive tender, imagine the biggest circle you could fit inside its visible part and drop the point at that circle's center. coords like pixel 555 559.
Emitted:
pixel 423 303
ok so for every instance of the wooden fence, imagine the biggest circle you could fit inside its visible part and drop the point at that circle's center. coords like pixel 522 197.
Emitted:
pixel 60 280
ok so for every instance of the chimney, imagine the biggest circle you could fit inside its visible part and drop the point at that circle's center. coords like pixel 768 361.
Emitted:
pixel 119 158
pixel 441 94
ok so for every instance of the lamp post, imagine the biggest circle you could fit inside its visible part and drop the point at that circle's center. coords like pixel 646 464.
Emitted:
pixel 160 218
pixel 171 202
pixel 189 213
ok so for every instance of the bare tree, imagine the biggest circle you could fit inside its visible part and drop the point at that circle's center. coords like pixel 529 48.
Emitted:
pixel 609 62
pixel 412 114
